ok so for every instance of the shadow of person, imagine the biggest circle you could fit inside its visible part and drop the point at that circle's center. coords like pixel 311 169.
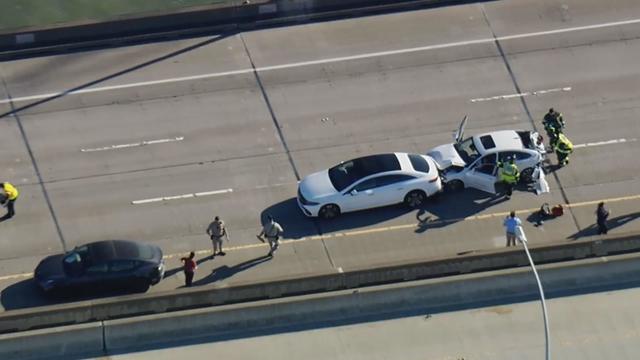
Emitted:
pixel 224 271
pixel 611 224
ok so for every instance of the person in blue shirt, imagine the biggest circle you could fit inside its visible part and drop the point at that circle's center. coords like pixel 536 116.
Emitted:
pixel 511 222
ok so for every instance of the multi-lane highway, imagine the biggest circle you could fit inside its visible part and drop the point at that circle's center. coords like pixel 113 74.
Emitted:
pixel 149 142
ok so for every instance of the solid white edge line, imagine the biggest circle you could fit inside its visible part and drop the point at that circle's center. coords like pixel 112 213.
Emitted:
pixel 323 61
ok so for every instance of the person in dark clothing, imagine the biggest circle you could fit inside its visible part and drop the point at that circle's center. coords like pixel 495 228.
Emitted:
pixel 602 214
pixel 190 267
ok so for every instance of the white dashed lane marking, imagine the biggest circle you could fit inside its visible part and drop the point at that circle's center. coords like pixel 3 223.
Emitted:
pixel 142 143
pixel 519 95
pixel 601 143
pixel 183 196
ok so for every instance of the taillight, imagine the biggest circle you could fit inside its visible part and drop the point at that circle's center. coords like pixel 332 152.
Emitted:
pixel 433 180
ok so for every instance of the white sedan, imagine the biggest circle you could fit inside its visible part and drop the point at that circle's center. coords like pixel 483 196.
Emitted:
pixel 472 162
pixel 369 182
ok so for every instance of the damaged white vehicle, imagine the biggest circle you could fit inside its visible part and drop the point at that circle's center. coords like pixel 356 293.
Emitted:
pixel 473 162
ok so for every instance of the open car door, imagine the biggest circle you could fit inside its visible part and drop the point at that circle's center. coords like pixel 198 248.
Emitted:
pixel 459 134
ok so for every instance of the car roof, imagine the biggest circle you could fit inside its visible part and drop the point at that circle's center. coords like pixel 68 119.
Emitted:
pixel 106 250
pixel 498 140
pixel 374 164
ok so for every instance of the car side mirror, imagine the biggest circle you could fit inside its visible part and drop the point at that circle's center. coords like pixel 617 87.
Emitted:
pixel 354 192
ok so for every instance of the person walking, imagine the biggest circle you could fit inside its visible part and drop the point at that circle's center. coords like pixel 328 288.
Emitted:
pixel 11 194
pixel 271 231
pixel 511 224
pixel 189 268
pixel 217 231
pixel 602 213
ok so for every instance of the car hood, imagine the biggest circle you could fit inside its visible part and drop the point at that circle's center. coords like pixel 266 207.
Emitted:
pixel 50 267
pixel 446 156
pixel 317 185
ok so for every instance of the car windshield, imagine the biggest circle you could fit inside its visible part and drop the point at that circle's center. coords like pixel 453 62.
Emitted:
pixel 467 150
pixel 348 172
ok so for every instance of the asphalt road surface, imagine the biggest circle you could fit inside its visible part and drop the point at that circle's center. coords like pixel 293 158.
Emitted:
pixel 588 327
pixel 111 144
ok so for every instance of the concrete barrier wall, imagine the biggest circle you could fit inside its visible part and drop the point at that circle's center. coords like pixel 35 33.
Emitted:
pixel 232 14
pixel 427 296
pixel 62 342
pixel 460 291
pixel 133 305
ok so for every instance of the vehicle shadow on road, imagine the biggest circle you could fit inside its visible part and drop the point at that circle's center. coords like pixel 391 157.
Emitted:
pixel 296 225
pixel 441 210
pixel 26 294
pixel 224 271
pixel 454 207
pixel 612 223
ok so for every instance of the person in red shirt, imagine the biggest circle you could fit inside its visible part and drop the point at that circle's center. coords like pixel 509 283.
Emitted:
pixel 190 267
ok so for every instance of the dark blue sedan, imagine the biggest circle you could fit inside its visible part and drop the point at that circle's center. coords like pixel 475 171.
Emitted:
pixel 112 264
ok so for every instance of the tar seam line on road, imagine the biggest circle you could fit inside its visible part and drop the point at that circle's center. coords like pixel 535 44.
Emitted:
pixel 526 107
pixel 283 141
pixel 280 134
pixel 23 134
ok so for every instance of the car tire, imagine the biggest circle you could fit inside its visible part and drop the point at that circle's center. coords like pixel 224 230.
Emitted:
pixel 329 211
pixel 454 186
pixel 415 199
pixel 526 176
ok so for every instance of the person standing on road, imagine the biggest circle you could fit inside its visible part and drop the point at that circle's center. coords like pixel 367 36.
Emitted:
pixel 553 124
pixel 217 231
pixel 602 214
pixel 189 268
pixel 271 231
pixel 11 194
pixel 563 148
pixel 509 175
pixel 511 224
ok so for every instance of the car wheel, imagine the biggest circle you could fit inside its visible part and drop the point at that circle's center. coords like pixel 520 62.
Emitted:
pixel 454 186
pixel 415 199
pixel 526 176
pixel 329 211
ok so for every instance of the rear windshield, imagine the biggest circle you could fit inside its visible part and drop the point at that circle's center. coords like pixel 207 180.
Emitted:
pixel 419 163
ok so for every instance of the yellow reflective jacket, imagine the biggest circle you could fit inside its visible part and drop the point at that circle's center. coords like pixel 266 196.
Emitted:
pixel 563 144
pixel 509 173
pixel 11 191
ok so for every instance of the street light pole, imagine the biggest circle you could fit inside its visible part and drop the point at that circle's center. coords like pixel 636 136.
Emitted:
pixel 523 239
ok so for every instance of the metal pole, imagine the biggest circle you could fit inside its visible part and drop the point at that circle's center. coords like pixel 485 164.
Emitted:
pixel 523 239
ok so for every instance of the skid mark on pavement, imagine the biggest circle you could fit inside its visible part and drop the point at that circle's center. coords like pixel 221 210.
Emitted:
pixel 372 231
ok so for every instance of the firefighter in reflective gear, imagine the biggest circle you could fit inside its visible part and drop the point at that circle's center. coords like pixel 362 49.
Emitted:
pixel 11 195
pixel 553 125
pixel 509 175
pixel 563 148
